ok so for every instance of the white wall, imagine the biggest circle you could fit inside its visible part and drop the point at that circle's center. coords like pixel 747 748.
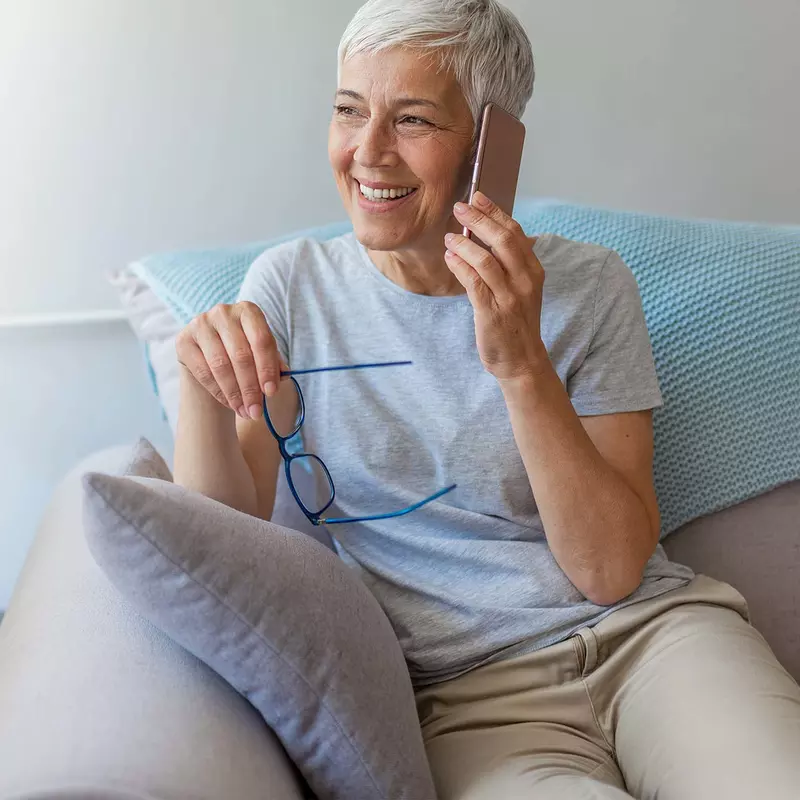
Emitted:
pixel 668 106
pixel 129 127
pixel 64 395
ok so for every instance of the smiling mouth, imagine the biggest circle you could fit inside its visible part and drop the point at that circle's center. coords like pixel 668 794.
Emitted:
pixel 388 196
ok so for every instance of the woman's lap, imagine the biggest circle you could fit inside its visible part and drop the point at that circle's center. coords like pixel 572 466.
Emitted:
pixel 679 693
pixel 709 713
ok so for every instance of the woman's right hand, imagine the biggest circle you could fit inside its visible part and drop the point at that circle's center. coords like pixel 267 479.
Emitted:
pixel 231 352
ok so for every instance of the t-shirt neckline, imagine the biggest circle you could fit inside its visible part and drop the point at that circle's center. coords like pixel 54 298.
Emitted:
pixel 427 299
pixel 377 275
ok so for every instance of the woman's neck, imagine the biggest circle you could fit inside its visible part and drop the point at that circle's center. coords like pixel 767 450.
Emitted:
pixel 421 269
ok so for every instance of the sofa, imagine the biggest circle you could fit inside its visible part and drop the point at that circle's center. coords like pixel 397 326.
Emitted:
pixel 97 703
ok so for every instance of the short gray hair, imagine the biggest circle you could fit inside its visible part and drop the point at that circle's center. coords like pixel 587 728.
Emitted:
pixel 480 40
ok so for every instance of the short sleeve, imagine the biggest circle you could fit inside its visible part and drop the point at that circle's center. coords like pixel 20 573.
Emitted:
pixel 267 285
pixel 618 373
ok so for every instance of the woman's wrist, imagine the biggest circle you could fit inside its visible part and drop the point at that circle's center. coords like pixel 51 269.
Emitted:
pixel 196 402
pixel 528 379
pixel 208 454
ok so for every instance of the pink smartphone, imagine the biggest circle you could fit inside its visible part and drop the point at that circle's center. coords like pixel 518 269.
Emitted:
pixel 498 161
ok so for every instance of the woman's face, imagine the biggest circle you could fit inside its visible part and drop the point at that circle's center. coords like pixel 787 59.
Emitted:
pixel 402 127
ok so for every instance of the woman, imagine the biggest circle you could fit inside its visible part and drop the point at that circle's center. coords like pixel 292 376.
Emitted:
pixel 554 649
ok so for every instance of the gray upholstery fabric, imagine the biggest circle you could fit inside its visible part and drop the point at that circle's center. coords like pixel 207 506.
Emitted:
pixel 97 703
pixel 145 461
pixel 281 618
pixel 756 547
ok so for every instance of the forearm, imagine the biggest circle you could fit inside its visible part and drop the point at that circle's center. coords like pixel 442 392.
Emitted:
pixel 208 456
pixel 592 518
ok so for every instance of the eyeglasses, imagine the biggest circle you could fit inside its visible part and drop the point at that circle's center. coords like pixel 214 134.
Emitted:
pixel 310 463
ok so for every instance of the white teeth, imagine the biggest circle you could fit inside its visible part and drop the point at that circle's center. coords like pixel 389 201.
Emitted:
pixel 384 194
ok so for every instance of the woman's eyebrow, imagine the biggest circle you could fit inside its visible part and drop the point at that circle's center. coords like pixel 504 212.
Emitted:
pixel 401 102
pixel 350 93
pixel 416 101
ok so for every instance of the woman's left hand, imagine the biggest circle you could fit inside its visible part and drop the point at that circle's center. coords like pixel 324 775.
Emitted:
pixel 504 286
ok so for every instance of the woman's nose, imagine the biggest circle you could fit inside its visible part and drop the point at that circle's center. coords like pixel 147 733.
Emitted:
pixel 375 147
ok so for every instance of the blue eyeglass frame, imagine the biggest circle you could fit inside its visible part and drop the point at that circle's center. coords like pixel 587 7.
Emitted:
pixel 315 517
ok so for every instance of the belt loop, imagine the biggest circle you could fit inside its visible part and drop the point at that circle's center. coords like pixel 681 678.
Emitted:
pixel 590 640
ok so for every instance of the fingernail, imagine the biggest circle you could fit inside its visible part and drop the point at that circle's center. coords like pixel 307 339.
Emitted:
pixel 270 388
pixel 449 239
pixel 242 412
pixel 460 208
pixel 448 253
pixel 480 199
pixel 255 411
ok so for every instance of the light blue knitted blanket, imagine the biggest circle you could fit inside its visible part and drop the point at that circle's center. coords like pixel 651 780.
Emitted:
pixel 722 303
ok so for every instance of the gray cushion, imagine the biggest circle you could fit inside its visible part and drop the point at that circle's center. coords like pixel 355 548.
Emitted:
pixel 755 546
pixel 277 615
pixel 144 461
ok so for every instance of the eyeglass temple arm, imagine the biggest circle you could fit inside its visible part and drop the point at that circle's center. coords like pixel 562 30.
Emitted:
pixel 390 515
pixel 289 372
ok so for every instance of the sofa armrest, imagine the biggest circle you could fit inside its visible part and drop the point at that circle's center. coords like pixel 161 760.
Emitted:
pixel 95 702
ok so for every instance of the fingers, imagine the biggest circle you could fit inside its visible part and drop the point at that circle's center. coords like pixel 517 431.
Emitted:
pixel 264 348
pixel 232 353
pixel 219 364
pixel 467 277
pixel 247 394
pixel 481 261
pixel 191 356
pixel 502 233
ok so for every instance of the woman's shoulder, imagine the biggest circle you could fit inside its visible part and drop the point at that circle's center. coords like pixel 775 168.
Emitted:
pixel 571 266
pixel 300 249
pixel 302 256
pixel 570 256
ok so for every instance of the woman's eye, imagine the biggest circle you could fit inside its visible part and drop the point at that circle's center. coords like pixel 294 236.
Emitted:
pixel 346 111
pixel 415 121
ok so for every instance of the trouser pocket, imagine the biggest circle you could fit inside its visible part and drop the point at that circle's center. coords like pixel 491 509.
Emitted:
pixel 585 644
pixel 580 652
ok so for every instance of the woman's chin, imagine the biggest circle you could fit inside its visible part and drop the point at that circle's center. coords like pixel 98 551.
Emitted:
pixel 380 232
pixel 381 237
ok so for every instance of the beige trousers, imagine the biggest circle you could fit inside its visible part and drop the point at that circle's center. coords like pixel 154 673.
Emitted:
pixel 675 698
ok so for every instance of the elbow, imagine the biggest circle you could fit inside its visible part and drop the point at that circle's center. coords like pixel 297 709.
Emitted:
pixel 605 595
pixel 612 579
pixel 606 587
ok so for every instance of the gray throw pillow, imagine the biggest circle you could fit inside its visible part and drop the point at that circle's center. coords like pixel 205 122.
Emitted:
pixel 276 614
pixel 145 461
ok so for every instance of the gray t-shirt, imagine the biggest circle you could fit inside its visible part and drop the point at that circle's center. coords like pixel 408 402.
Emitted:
pixel 469 578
